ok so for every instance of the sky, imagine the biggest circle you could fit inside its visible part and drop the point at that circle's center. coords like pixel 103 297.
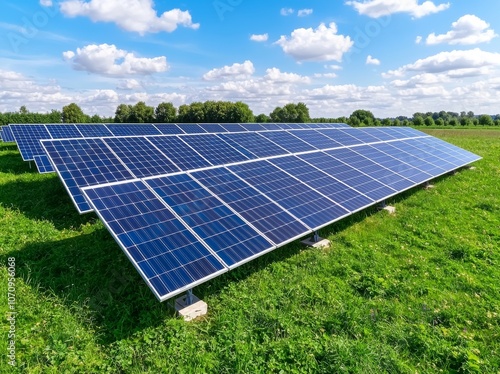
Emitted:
pixel 392 57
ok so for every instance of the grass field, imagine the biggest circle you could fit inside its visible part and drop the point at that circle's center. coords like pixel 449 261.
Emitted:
pixel 417 292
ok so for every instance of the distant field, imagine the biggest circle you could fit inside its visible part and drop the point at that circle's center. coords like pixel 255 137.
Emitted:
pixel 417 292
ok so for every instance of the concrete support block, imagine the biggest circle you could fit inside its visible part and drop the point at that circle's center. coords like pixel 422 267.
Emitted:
pixel 390 209
pixel 191 311
pixel 309 242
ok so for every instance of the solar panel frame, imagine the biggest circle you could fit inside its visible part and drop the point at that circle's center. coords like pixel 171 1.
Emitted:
pixel 28 144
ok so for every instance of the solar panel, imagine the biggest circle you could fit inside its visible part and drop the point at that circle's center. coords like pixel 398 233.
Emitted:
pixel 316 139
pixel 270 219
pixel 91 130
pixel 1 135
pixel 141 157
pixel 214 149
pixel 133 129
pixel 43 164
pixel 308 205
pixel 28 139
pixel 288 141
pixel 169 129
pixel 227 234
pixel 253 145
pixel 166 254
pixel 341 136
pixel 191 128
pixel 63 131
pixel 182 155
pixel 233 127
pixel 7 135
pixel 213 127
pixel 253 126
pixel 84 162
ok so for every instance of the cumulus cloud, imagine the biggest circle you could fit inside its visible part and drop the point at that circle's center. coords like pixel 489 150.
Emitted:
pixel 286 11
pixel 259 37
pixel 235 71
pixel 275 75
pixel 304 12
pixel 468 29
pixel 380 8
pixel 106 59
pixel 130 15
pixel 325 75
pixel 321 44
pixel 449 61
pixel 46 3
pixel 372 61
pixel 129 84
pixel 418 39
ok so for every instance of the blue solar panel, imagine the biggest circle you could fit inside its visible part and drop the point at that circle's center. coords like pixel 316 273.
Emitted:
pixel 300 200
pixel 91 130
pixel 84 162
pixel 288 141
pixel 337 191
pixel 253 126
pixel 169 129
pixel 166 254
pixel 7 135
pixel 382 134
pixel 438 148
pixel 28 139
pixel 63 131
pixel 43 164
pixel 141 157
pixel 412 147
pixel 185 157
pixel 371 168
pixel 342 136
pixel 270 219
pixel 233 127
pixel 213 127
pixel 1 135
pixel 191 128
pixel 362 135
pixel 229 236
pixel 316 139
pixel 214 149
pixel 253 145
pixel 133 129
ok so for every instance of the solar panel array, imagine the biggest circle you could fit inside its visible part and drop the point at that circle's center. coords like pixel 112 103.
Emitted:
pixel 28 136
pixel 6 134
pixel 185 208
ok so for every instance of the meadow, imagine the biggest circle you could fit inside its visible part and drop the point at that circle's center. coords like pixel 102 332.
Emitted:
pixel 414 292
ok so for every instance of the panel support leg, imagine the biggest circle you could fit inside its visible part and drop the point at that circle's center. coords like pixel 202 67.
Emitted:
pixel 190 307
pixel 428 185
pixel 390 209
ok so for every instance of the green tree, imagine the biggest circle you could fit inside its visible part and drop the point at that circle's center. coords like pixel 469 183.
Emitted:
pixel 142 113
pixel 386 122
pixel 453 122
pixel 366 118
pixel 72 113
pixel 396 122
pixel 122 113
pixel 418 121
pixel 165 113
pixel 262 118
pixel 465 121
pixel 439 122
pixel 239 112
pixel 291 113
pixel 429 121
pixel 486 120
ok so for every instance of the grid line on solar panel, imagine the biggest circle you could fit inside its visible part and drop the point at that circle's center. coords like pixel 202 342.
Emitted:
pixel 84 162
pixel 191 128
pixel 7 135
pixel 269 218
pixel 28 139
pixel 287 141
pixel 63 131
pixel 43 164
pixel 233 239
pixel 214 149
pixel 169 129
pixel 340 193
pixel 233 127
pixel 166 254
pixel 316 139
pixel 140 156
pixel 300 200
pixel 253 145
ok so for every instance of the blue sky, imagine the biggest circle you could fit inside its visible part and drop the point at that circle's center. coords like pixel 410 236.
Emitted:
pixel 390 57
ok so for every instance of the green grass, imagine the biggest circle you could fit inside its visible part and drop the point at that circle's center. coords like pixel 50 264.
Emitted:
pixel 417 292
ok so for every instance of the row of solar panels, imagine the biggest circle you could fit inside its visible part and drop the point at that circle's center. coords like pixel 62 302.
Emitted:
pixel 187 208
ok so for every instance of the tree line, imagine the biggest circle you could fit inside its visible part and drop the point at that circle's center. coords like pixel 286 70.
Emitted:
pixel 239 112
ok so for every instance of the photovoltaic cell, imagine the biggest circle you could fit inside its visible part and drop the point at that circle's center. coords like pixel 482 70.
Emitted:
pixel 133 129
pixel 233 127
pixel 214 149
pixel 300 200
pixel 7 135
pixel 43 164
pixel 183 156
pixel 167 255
pixel 93 131
pixel 316 139
pixel 141 157
pixel 253 145
pixel 253 126
pixel 229 236
pixel 27 139
pixel 63 131
pixel 288 141
pixel 84 162
pixel 270 219
pixel 191 128
pixel 169 129
pixel 212 127
pixel 342 136
pixel 340 193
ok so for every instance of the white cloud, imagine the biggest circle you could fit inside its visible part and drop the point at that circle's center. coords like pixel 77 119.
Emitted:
pixel 129 84
pixel 333 67
pixel 106 59
pixel 325 75
pixel 304 12
pixel 235 71
pixel 448 62
pixel 286 11
pixel 131 15
pixel 372 61
pixel 46 3
pixel 418 39
pixel 259 37
pixel 321 44
pixel 275 75
pixel 379 8
pixel 468 29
